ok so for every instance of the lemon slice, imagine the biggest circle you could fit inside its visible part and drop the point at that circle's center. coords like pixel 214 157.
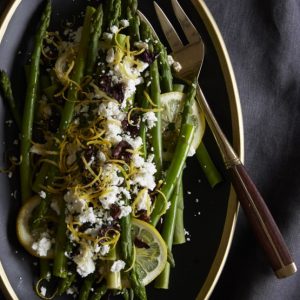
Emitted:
pixel 172 104
pixel 150 259
pixel 24 234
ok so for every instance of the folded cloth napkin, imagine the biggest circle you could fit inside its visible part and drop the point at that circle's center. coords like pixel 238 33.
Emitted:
pixel 263 40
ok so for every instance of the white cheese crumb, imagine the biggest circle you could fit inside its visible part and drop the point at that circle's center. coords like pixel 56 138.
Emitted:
pixel 143 203
pixel 110 197
pixel 145 176
pixel 104 249
pixel 117 266
pixel 74 203
pixel 110 55
pixel 141 45
pixel 125 211
pixel 113 131
pixel 114 29
pixel 192 151
pixel 168 204
pixel 101 156
pixel 107 36
pixel 43 291
pixel 135 143
pixel 71 291
pixel 42 194
pixel 177 66
pixel 42 246
pixel 87 216
pixel 170 60
pixel 124 23
pixel 84 262
pixel 150 118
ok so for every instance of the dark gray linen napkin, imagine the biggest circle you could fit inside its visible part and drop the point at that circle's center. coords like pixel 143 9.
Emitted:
pixel 263 41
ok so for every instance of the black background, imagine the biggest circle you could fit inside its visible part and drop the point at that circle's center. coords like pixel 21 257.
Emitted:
pixel 263 41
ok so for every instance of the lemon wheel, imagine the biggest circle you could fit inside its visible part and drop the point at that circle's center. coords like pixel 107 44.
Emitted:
pixel 172 105
pixel 24 234
pixel 151 257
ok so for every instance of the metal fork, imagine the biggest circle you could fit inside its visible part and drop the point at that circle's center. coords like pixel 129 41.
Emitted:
pixel 191 57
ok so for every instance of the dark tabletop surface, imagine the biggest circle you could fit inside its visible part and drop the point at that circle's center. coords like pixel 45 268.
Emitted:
pixel 263 41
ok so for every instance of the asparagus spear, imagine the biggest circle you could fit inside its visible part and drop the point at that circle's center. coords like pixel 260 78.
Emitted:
pixel 127 254
pixel 5 87
pixel 167 234
pixel 99 292
pixel 177 164
pixel 65 283
pixel 113 13
pixel 164 68
pixel 59 268
pixel 179 233
pixel 156 136
pixel 208 167
pixel 86 287
pixel 30 100
pixel 96 30
pixel 174 171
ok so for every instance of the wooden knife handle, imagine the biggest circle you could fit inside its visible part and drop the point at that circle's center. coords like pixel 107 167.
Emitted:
pixel 262 222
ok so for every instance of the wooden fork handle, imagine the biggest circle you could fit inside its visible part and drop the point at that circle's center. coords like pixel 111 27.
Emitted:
pixel 252 202
pixel 262 222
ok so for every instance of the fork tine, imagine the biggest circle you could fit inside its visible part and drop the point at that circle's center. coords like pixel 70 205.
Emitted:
pixel 168 29
pixel 186 24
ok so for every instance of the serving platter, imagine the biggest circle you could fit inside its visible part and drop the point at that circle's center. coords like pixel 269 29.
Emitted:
pixel 210 214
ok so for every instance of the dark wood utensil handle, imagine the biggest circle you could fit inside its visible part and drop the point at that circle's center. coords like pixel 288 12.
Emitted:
pixel 262 222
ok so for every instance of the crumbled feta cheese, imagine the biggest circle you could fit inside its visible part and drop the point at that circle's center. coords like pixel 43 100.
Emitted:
pixel 177 66
pixel 130 88
pixel 104 249
pixel 43 291
pixel 135 143
pixel 124 23
pixel 145 176
pixel 141 45
pixel 84 262
pixel 137 160
pixel 168 205
pixel 101 156
pixel 110 172
pixel 72 290
pixel 42 246
pixel 113 131
pixel 87 216
pixel 107 36
pixel 150 118
pixel 125 193
pixel 109 197
pixel 117 266
pixel 114 29
pixel 143 203
pixel 74 203
pixel 110 56
pixel 125 211
pixel 170 60
pixel 111 110
pixel 192 151
pixel 42 194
